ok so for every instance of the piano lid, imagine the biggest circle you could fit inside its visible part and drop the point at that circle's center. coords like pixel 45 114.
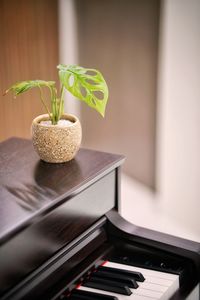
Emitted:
pixel 30 187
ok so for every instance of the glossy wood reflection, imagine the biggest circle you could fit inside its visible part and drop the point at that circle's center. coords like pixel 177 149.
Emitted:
pixel 29 187
pixel 44 207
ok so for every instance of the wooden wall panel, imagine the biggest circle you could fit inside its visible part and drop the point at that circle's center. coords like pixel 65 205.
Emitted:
pixel 120 38
pixel 28 50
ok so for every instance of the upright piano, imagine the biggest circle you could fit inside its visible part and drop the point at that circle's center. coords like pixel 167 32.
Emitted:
pixel 61 236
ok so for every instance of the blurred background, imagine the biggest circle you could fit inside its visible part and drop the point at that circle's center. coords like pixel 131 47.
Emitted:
pixel 148 52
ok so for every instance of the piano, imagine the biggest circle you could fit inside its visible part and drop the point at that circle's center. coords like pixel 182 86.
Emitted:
pixel 62 237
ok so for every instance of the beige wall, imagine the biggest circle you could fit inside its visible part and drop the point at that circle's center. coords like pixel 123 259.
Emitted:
pixel 120 38
pixel 175 207
pixel 68 46
pixel 179 135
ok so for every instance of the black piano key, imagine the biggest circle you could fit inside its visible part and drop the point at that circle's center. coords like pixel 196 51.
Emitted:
pixel 132 274
pixel 85 295
pixel 123 290
pixel 107 282
pixel 131 283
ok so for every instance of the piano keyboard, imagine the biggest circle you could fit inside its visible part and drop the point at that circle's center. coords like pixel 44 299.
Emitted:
pixel 114 281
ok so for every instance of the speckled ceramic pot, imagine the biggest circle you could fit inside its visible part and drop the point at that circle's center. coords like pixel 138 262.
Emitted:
pixel 54 143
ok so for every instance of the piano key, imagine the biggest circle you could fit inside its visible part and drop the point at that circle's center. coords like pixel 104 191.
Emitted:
pixel 154 287
pixel 144 271
pixel 121 290
pixel 120 297
pixel 117 278
pixel 157 285
pixel 132 274
pixel 157 281
pixel 142 291
pixel 147 292
pixel 85 295
pixel 106 282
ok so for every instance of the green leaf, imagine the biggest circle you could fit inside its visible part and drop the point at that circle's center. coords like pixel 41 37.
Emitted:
pixel 23 86
pixel 87 85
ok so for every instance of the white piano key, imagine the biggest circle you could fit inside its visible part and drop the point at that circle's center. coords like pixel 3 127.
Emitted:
pixel 157 280
pixel 145 292
pixel 153 287
pixel 120 297
pixel 144 271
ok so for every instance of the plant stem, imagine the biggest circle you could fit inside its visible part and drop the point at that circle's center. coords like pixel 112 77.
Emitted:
pixel 62 92
pixel 43 102
pixel 53 106
pixel 61 102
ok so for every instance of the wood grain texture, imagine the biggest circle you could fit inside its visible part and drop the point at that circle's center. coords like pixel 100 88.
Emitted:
pixel 29 187
pixel 29 50
pixel 44 207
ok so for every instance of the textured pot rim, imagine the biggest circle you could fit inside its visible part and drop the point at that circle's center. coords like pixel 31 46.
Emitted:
pixel 45 117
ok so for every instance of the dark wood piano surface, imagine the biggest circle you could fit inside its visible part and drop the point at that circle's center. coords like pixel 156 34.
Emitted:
pixel 57 221
pixel 30 187
pixel 44 206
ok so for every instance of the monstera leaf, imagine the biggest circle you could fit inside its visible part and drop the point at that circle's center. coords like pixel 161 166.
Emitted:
pixel 87 85
pixel 23 86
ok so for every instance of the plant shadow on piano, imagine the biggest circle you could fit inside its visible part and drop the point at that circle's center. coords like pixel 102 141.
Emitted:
pixel 30 197
pixel 46 186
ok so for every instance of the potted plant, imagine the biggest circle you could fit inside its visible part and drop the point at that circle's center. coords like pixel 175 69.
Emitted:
pixel 56 135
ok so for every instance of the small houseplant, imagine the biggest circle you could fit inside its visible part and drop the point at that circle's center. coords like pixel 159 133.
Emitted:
pixel 56 135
